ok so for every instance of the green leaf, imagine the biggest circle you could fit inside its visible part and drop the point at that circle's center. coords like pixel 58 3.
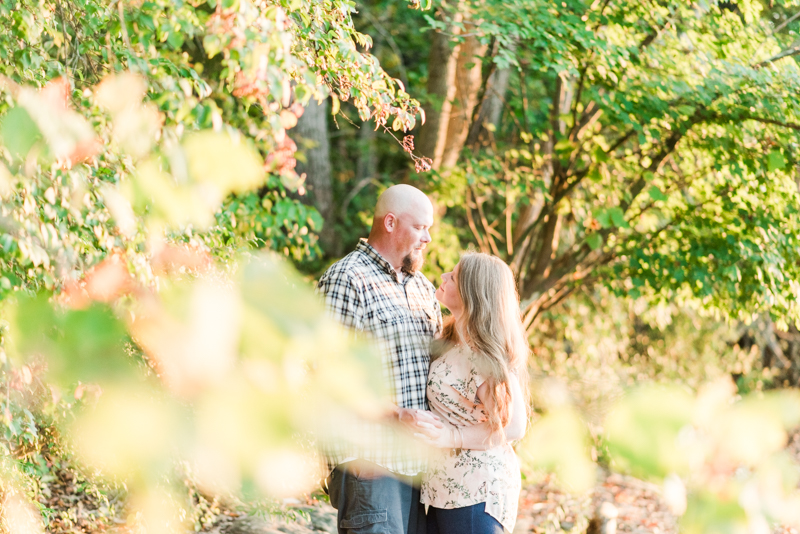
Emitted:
pixel 603 218
pixel 212 45
pixel 618 217
pixel 564 145
pixel 80 345
pixel 219 159
pixel 19 132
pixel 656 193
pixel 776 161
pixel 175 39
pixel 594 241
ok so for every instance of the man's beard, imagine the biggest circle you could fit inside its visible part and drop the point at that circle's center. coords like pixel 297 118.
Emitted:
pixel 413 263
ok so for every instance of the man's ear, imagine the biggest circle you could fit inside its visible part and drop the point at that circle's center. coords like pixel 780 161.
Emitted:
pixel 390 222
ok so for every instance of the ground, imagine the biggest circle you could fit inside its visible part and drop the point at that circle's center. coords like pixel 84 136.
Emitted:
pixel 73 505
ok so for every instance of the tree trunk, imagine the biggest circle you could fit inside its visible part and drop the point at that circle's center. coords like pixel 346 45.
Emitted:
pixel 491 106
pixel 537 236
pixel 468 84
pixel 441 90
pixel 367 164
pixel 311 135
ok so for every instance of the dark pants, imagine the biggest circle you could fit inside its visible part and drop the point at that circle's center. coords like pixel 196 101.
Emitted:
pixel 467 520
pixel 373 500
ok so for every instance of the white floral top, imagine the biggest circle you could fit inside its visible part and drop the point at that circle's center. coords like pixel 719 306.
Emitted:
pixel 462 477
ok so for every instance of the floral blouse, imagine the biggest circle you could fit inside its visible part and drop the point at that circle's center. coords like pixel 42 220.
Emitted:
pixel 463 477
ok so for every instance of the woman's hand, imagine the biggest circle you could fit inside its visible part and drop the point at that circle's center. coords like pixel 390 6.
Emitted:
pixel 411 419
pixel 443 437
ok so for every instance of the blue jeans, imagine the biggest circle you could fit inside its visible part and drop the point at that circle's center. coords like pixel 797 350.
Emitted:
pixel 467 520
pixel 373 500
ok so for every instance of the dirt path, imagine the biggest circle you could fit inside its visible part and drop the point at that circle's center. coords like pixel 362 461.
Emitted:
pixel 639 509
pixel 544 509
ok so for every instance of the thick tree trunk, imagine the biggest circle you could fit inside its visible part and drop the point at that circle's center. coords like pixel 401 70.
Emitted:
pixel 311 135
pixel 468 84
pixel 454 82
pixel 441 91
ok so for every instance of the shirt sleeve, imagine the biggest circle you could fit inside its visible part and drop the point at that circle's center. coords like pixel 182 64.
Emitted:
pixel 342 298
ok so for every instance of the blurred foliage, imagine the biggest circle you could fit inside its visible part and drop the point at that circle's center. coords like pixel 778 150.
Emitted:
pixel 144 149
pixel 650 391
pixel 600 337
pixel 144 155
pixel 243 69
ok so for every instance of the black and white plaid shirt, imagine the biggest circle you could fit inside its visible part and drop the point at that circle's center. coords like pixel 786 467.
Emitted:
pixel 362 292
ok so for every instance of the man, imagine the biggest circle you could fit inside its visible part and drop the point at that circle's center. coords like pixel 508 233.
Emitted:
pixel 378 290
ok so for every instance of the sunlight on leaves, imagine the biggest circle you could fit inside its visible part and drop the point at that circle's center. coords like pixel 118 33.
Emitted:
pixel 559 442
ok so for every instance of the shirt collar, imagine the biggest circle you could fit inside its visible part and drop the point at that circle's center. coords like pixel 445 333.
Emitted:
pixel 365 248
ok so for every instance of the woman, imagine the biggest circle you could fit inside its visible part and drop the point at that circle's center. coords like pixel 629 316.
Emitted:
pixel 478 386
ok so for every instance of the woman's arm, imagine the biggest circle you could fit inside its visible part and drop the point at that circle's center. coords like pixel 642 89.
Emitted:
pixel 480 437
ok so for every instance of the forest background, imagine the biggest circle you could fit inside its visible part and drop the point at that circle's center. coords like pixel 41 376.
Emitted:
pixel 175 175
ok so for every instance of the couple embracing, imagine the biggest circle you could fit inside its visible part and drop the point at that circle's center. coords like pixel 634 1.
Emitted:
pixel 460 387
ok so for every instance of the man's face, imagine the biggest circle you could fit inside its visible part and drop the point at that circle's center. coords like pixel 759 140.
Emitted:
pixel 411 236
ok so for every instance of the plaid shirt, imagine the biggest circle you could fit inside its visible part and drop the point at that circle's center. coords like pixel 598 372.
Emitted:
pixel 362 292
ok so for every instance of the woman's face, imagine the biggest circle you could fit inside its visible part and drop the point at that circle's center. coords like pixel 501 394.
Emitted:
pixel 448 293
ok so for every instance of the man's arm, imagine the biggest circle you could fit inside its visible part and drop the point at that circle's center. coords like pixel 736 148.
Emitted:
pixel 344 302
pixel 342 298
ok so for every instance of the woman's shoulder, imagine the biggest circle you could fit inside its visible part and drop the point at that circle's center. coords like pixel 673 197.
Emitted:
pixel 455 356
pixel 466 363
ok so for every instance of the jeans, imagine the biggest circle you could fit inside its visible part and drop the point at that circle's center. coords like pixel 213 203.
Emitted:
pixel 373 500
pixel 467 520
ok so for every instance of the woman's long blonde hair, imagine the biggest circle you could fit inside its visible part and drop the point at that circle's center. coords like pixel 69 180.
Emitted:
pixel 491 324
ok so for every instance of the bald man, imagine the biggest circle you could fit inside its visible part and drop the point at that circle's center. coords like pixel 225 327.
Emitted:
pixel 378 290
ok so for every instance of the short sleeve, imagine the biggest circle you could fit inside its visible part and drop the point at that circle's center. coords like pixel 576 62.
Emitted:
pixel 342 298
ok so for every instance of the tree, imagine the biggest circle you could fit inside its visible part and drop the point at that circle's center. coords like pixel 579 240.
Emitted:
pixel 312 131
pixel 454 80
pixel 144 157
pixel 239 67
pixel 650 146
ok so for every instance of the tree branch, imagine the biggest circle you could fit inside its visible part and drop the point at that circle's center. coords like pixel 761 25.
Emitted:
pixel 555 288
pixel 776 30
pixel 509 226
pixel 791 51
pixel 471 222
pixel 589 123
pixel 549 243
pixel 578 93
pixel 486 226
pixel 653 35
pixel 792 125
pixel 554 109
pixel 621 141
pixel 666 151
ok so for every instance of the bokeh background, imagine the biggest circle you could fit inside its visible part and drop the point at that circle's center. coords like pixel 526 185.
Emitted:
pixel 175 176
